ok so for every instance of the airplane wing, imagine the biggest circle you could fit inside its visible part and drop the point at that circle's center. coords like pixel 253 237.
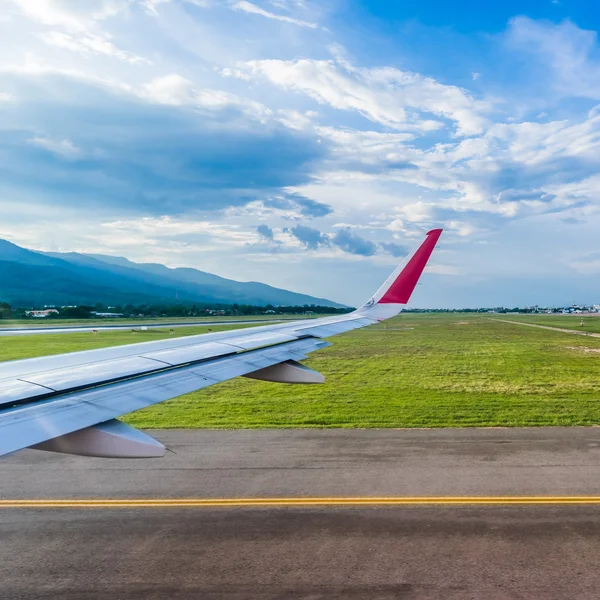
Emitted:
pixel 70 402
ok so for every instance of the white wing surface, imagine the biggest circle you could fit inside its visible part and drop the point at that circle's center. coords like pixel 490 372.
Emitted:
pixel 70 402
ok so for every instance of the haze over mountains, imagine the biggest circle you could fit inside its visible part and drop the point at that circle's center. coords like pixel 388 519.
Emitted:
pixel 29 278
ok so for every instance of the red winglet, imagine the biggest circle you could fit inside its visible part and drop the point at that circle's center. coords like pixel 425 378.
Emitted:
pixel 400 291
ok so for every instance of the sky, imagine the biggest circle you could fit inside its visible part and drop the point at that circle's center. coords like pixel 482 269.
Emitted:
pixel 310 145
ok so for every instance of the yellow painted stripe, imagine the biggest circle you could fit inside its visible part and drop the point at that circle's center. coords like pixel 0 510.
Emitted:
pixel 282 502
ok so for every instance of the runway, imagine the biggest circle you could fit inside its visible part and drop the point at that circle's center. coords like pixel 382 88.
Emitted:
pixel 453 514
pixel 548 327
pixel 11 331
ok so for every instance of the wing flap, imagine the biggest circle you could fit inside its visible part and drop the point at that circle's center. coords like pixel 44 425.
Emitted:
pixel 257 340
pixel 60 380
pixel 15 390
pixel 195 352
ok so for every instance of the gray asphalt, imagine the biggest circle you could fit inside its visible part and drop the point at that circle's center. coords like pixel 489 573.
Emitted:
pixel 449 552
pixel 12 331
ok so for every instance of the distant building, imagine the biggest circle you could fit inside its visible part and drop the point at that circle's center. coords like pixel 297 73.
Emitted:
pixel 106 314
pixel 41 314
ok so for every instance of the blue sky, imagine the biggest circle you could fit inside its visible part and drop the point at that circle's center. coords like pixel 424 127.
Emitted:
pixel 309 144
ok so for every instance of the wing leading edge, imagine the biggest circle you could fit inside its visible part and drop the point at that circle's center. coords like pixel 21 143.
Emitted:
pixel 69 403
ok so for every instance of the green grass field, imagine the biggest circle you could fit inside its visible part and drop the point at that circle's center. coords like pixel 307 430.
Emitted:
pixel 421 371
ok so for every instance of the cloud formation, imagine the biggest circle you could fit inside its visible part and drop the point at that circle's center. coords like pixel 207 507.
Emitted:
pixel 182 124
pixel 265 232
pixel 90 44
pixel 73 15
pixel 344 239
pixel 395 249
pixel 310 237
pixel 566 52
pixel 64 148
pixel 156 162
pixel 384 95
pixel 298 205
pixel 251 8
pixel 353 243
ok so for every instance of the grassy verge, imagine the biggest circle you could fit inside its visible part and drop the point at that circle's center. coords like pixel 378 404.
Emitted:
pixel 420 371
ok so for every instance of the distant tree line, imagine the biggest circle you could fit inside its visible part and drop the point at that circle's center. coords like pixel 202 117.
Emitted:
pixel 207 310
pixel 5 310
pixel 167 310
pixel 498 309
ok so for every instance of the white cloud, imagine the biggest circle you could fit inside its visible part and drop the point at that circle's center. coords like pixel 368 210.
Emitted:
pixel 371 142
pixel 259 210
pixel 288 4
pixel 534 143
pixel 417 212
pixel 173 89
pixel 75 25
pixel 89 44
pixel 177 231
pixel 64 148
pixel 385 95
pixel 35 69
pixel 74 15
pixel 295 119
pixel 461 228
pixel 229 72
pixel 176 90
pixel 151 5
pixel 368 147
pixel 567 53
pixel 512 170
pixel 257 10
pixel 5 98
pixel 568 194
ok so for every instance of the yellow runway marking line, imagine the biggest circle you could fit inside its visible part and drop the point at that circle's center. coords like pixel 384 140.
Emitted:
pixel 299 502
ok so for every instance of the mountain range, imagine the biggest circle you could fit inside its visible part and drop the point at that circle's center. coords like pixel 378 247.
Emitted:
pixel 33 278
